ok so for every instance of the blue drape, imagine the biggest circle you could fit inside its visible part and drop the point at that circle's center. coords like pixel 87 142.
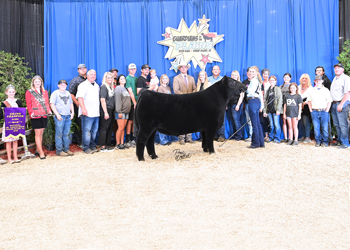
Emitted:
pixel 283 35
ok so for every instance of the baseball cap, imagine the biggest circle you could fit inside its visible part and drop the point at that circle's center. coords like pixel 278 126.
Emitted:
pixel 113 69
pixel 82 65
pixel 132 66
pixel 318 78
pixel 145 66
pixel 339 65
pixel 62 81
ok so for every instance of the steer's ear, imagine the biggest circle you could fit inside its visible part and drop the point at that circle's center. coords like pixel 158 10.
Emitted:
pixel 224 80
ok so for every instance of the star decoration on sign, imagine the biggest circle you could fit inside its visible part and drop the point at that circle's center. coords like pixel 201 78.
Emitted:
pixel 204 21
pixel 205 59
pixel 174 65
pixel 166 35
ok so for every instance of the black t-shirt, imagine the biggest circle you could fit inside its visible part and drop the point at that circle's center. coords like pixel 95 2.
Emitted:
pixel 270 103
pixel 142 83
pixel 292 102
pixel 109 99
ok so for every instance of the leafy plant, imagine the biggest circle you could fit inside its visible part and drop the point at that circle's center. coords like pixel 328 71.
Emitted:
pixel 344 57
pixel 14 70
pixel 49 132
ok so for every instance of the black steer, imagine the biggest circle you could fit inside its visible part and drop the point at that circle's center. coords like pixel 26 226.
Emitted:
pixel 182 114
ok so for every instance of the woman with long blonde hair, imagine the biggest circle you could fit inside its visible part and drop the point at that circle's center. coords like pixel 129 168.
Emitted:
pixel 202 82
pixel 38 107
pixel 304 90
pixel 106 112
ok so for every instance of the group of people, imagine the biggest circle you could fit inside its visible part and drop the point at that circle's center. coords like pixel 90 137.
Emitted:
pixel 290 103
pixel 272 112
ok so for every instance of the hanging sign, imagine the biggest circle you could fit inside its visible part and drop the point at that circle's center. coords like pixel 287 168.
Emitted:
pixel 194 44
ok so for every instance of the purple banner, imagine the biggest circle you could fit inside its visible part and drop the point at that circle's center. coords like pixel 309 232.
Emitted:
pixel 15 122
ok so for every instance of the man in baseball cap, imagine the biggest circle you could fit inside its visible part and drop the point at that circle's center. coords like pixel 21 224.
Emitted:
pixel 73 89
pixel 132 89
pixel 340 92
pixel 62 106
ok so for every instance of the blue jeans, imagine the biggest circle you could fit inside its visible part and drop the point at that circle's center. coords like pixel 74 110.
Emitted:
pixel 340 120
pixel 305 126
pixel 236 117
pixel 250 122
pixel 89 131
pixel 320 122
pixel 163 138
pixel 258 134
pixel 62 133
pixel 221 131
pixel 275 134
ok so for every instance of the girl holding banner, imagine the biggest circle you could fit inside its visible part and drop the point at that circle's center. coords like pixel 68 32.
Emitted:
pixel 38 107
pixel 10 133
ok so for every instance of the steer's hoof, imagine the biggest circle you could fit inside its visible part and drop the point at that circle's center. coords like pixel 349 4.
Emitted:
pixel 205 150
pixel 154 156
pixel 211 152
pixel 141 159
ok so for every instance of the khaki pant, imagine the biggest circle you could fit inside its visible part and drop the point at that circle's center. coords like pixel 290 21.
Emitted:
pixel 188 137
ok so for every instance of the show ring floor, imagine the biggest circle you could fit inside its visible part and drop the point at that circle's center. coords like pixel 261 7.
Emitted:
pixel 279 197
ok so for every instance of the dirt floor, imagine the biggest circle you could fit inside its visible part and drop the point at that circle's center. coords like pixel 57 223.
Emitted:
pixel 279 197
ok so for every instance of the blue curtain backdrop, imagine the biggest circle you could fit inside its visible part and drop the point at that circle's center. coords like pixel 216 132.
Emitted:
pixel 283 35
pixel 291 36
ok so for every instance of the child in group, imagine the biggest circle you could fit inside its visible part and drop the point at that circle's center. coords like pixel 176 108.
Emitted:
pixel 62 105
pixel 164 88
pixel 11 101
pixel 292 112
pixel 287 77
pixel 153 85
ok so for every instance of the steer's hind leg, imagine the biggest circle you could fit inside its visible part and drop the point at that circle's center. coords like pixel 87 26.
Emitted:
pixel 150 146
pixel 210 140
pixel 141 141
pixel 204 142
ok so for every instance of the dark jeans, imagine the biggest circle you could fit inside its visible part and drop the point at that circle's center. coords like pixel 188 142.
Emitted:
pixel 340 120
pixel 77 135
pixel 236 120
pixel 258 134
pixel 106 128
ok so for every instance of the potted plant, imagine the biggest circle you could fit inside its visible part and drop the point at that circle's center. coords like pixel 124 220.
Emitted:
pixel 49 135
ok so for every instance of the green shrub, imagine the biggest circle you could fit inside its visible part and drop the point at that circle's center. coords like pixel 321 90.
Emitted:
pixel 13 70
pixel 344 57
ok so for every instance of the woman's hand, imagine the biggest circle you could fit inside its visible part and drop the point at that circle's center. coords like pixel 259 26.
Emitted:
pixel 120 116
pixel 32 115
pixel 236 108
pixel 277 113
pixel 299 117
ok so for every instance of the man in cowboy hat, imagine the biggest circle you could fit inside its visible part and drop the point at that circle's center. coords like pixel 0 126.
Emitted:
pixel 184 84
